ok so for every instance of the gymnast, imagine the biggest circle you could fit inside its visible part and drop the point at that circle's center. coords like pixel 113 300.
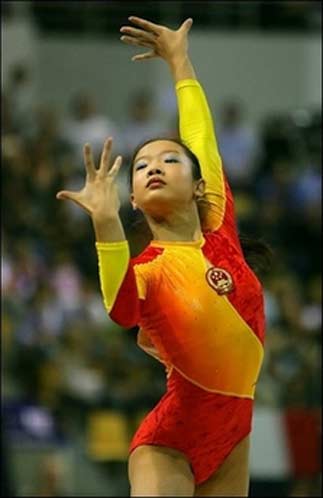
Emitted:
pixel 197 302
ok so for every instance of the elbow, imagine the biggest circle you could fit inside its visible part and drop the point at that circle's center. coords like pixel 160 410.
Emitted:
pixel 125 317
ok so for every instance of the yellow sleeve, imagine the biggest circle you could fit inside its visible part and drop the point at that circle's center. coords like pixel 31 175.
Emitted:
pixel 197 132
pixel 113 261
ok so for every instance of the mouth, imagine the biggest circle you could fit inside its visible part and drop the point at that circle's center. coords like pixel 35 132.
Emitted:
pixel 155 183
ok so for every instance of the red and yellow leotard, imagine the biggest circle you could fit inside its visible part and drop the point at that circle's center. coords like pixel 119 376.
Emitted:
pixel 199 308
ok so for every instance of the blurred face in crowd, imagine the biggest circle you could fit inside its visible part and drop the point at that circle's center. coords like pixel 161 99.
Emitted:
pixel 142 107
pixel 231 114
pixel 162 179
pixel 83 106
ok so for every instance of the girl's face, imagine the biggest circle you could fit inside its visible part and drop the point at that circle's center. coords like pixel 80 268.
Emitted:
pixel 162 178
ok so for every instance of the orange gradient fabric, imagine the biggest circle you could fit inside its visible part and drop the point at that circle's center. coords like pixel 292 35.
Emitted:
pixel 195 330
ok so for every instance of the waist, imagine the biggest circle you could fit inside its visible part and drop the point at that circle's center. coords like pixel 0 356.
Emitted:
pixel 186 394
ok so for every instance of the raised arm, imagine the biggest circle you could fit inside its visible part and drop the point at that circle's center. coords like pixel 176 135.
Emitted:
pixel 99 198
pixel 195 120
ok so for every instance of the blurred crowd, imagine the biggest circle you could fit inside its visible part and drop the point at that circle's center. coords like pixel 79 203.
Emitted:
pixel 104 17
pixel 60 349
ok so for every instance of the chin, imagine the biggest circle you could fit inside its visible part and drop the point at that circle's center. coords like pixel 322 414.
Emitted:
pixel 159 206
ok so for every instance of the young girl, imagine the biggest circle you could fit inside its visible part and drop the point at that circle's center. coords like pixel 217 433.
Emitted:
pixel 198 304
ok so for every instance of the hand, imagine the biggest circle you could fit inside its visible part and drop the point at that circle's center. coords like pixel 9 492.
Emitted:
pixel 99 196
pixel 163 42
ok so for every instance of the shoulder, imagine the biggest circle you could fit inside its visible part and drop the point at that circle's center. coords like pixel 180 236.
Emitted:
pixel 147 264
pixel 220 243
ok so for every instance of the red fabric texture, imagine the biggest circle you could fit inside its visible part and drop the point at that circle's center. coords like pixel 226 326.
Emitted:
pixel 204 426
pixel 127 296
pixel 247 295
pixel 126 309
pixel 229 220
pixel 147 255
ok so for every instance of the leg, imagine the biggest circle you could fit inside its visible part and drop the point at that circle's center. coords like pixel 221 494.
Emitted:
pixel 232 478
pixel 159 471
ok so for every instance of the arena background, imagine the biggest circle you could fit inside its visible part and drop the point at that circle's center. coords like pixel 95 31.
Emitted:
pixel 75 385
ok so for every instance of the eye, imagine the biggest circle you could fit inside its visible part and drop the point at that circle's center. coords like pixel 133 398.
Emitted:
pixel 171 160
pixel 140 166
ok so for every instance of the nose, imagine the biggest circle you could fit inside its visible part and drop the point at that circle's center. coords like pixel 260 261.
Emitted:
pixel 154 171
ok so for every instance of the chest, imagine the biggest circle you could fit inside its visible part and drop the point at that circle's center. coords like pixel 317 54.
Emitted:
pixel 218 266
pixel 194 285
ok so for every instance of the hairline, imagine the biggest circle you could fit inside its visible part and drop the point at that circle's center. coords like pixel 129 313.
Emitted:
pixel 159 140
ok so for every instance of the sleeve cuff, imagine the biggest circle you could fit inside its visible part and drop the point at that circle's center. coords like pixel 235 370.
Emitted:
pixel 187 82
pixel 107 246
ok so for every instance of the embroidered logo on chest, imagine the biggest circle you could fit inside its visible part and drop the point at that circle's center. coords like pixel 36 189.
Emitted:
pixel 220 280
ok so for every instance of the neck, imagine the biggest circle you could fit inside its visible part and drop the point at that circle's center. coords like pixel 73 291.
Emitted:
pixel 182 225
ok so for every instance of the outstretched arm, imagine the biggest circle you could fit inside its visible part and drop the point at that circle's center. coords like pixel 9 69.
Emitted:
pixel 99 198
pixel 195 120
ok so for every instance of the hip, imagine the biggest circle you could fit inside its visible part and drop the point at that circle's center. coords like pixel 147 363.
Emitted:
pixel 187 414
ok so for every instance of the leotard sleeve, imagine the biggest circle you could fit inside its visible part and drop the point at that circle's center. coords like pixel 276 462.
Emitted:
pixel 121 289
pixel 197 131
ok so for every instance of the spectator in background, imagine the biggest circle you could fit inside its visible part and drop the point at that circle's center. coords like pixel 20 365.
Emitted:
pixel 307 191
pixel 238 145
pixel 281 140
pixel 85 124
pixel 46 137
pixel 311 316
pixel 51 476
pixel 6 477
pixel 67 280
pixel 142 123
pixel 6 115
pixel 21 97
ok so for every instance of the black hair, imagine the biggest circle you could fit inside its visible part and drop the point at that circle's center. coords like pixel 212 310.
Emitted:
pixel 257 253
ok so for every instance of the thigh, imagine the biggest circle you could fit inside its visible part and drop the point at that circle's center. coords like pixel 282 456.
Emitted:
pixel 159 471
pixel 232 477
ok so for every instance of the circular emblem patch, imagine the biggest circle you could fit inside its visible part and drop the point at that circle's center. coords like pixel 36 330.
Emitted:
pixel 220 280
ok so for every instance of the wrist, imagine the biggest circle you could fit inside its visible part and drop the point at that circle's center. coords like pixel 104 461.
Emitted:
pixel 178 58
pixel 108 228
pixel 181 67
pixel 103 218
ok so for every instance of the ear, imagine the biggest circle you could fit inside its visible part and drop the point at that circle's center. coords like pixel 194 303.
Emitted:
pixel 133 203
pixel 199 189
